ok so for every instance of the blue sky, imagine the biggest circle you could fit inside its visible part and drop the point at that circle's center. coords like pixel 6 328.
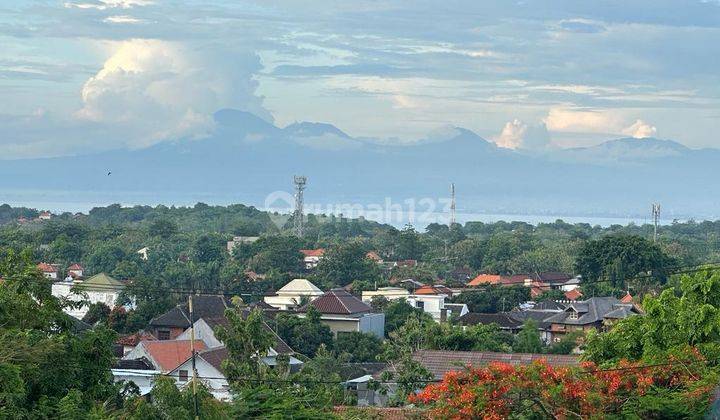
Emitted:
pixel 83 75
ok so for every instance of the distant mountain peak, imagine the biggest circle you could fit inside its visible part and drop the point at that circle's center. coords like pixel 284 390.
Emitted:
pixel 314 129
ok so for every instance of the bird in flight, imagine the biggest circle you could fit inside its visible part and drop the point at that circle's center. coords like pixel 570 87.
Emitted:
pixel 109 172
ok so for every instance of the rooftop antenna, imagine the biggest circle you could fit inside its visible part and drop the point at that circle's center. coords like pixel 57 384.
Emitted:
pixel 452 204
pixel 656 218
pixel 300 181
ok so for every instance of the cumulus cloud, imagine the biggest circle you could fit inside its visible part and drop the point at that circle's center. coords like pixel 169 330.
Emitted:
pixel 640 129
pixel 565 120
pixel 162 90
pixel 518 135
pixel 147 91
pixel 583 121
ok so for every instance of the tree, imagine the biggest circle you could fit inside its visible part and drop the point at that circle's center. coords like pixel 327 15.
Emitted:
pixel 162 228
pixel 344 264
pixel 247 340
pixel 280 253
pixel 675 319
pixel 538 390
pixel 304 335
pixel 398 312
pixel 617 258
pixel 43 359
pixel 493 298
pixel 97 312
pixel 209 248
pixel 528 339
pixel 361 347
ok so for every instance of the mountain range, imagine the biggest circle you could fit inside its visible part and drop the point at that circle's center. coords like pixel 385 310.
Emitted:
pixel 247 157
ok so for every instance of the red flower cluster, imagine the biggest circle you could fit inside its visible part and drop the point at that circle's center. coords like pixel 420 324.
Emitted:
pixel 499 390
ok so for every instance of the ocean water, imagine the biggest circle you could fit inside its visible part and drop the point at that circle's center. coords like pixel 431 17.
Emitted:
pixel 395 211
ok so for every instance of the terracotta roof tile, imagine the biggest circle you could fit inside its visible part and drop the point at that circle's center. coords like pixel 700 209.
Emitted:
pixel 482 279
pixel 46 268
pixel 313 252
pixel 573 294
pixel 169 354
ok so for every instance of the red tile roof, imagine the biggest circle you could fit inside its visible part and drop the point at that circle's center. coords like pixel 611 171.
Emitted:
pixel 135 339
pixel 313 252
pixel 627 298
pixel 573 294
pixel 485 279
pixel 46 268
pixel 339 301
pixel 373 256
pixel 433 290
pixel 169 354
pixel 75 267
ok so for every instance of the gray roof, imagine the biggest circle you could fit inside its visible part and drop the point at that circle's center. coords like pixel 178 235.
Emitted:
pixel 593 310
pixel 503 319
pixel 439 362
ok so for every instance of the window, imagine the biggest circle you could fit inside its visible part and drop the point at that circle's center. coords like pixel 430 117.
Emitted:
pixel 573 315
pixel 420 305
pixel 183 376
pixel 163 334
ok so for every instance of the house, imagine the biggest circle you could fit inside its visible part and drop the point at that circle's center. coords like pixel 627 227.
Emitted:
pixel 598 313
pixel 174 322
pixel 405 264
pixel 343 312
pixel 440 362
pixel 484 280
pixel 504 320
pixel 45 215
pixel 164 356
pixel 50 271
pixel 372 255
pixel 99 288
pixel 143 252
pixel 627 298
pixel 208 364
pixel 294 295
pixel 131 341
pixel 311 257
pixel 431 299
pixel 204 330
pixel 575 294
pixel 139 371
pixel 75 270
pixel 238 240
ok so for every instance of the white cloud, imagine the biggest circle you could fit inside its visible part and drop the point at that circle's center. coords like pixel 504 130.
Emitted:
pixel 110 4
pixel 156 90
pixel 583 121
pixel 640 129
pixel 518 135
pixel 122 19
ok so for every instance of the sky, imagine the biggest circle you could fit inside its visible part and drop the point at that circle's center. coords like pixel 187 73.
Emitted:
pixel 79 76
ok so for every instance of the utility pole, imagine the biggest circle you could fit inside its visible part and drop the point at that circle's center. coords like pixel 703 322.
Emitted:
pixel 298 225
pixel 192 352
pixel 452 204
pixel 656 218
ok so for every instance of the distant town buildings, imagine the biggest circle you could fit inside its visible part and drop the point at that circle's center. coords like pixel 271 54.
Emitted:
pixel 312 257
pixel 238 240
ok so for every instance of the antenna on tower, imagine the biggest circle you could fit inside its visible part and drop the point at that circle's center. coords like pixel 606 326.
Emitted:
pixel 298 225
pixel 656 218
pixel 452 204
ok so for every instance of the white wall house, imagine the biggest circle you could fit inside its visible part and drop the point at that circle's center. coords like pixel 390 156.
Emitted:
pixel 311 257
pixel 432 304
pixel 50 271
pixel 98 288
pixel 293 294
pixel 209 371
